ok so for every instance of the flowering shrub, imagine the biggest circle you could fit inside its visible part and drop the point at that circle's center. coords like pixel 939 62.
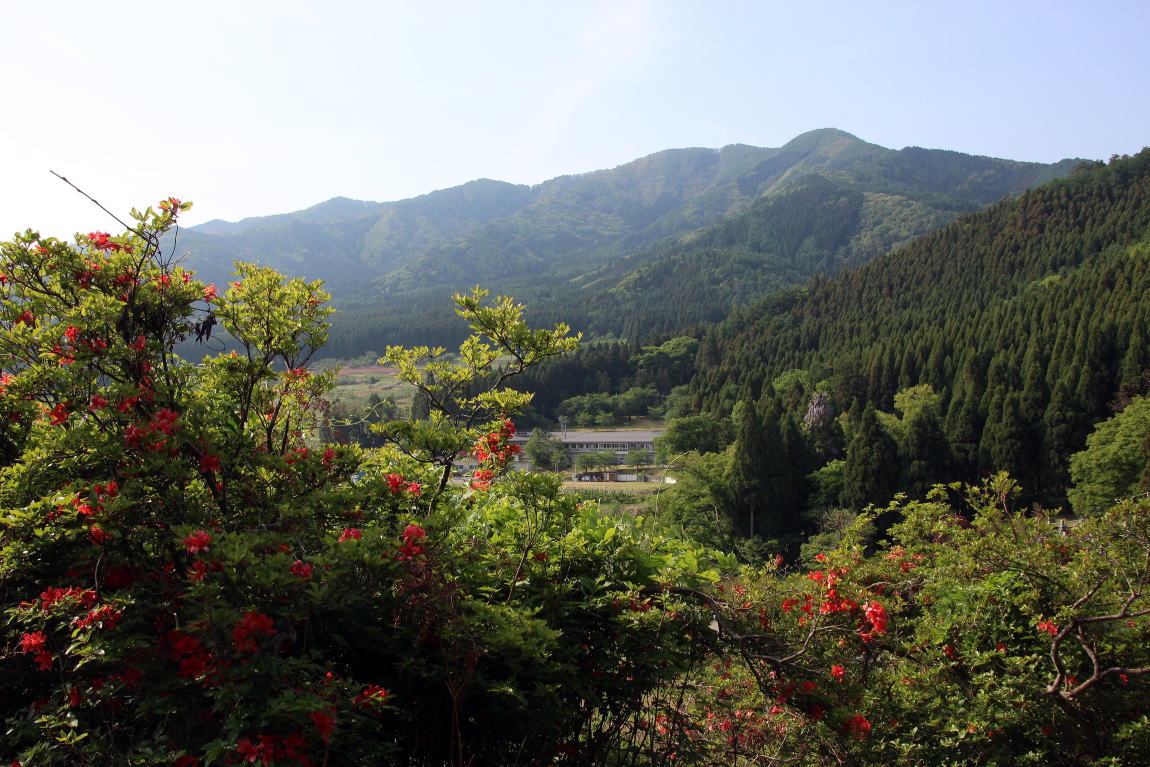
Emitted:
pixel 976 635
pixel 188 579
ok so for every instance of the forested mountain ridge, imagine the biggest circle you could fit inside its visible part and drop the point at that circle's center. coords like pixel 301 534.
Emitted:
pixel 1027 319
pixel 610 250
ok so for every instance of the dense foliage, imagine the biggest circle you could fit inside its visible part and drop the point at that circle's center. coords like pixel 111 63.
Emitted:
pixel 187 579
pixel 1025 321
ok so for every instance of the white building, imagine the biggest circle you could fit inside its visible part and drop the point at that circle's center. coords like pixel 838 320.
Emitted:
pixel 621 442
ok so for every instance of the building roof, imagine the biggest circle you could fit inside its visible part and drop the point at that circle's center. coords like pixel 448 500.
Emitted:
pixel 623 435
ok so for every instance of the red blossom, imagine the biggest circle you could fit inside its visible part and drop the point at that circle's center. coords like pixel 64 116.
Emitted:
pixel 411 547
pixel 248 751
pixel 299 454
pixel 210 293
pixel 58 416
pixel 876 614
pixel 301 569
pixel 165 421
pixel 838 672
pixel 350 533
pixel 97 403
pixel 482 479
pixel 198 541
pixel 119 577
pixel 858 726
pixel 324 723
pixel 33 642
pixel 1048 626
pixel 103 241
pixel 253 623
pixel 373 694
pixel 208 463
pixel 98 535
pixel 52 596
pixel 104 616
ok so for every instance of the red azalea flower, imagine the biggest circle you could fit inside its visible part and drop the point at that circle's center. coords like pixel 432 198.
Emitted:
pixel 198 541
pixel 209 463
pixel 876 614
pixel 482 479
pixel 350 533
pixel 210 293
pixel 301 569
pixel 372 694
pixel 33 642
pixel 858 726
pixel 324 723
pixel 198 571
pixel 59 414
pixel 103 241
pixel 252 624
pixel 838 672
pixel 248 751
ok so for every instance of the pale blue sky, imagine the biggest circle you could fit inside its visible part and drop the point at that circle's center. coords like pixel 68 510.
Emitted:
pixel 250 108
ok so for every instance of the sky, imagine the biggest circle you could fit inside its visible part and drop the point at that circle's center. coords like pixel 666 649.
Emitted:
pixel 253 108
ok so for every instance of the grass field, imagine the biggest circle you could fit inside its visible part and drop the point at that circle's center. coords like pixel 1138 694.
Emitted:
pixel 354 385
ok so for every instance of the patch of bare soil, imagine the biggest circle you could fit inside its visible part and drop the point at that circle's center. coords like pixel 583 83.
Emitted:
pixel 376 370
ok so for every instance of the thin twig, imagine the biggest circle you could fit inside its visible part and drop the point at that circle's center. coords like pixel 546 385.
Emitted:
pixel 95 202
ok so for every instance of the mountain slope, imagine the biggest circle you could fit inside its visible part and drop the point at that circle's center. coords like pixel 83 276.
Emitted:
pixel 1027 317
pixel 601 249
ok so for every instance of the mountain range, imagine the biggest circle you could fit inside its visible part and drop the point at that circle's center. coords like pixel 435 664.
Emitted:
pixel 674 239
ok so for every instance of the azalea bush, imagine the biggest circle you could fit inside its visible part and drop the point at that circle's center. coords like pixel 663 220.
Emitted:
pixel 187 577
pixel 977 634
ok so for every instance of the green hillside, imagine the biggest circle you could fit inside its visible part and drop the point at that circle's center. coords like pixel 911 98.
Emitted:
pixel 1027 319
pixel 616 252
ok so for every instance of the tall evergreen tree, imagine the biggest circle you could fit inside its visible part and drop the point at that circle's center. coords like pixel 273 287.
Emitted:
pixel 926 452
pixel 871 471
pixel 749 468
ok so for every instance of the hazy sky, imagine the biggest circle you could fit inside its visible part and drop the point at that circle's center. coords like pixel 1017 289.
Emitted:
pixel 250 108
